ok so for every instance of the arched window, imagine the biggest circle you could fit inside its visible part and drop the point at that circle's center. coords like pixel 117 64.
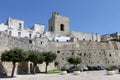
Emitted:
pixel 61 27
pixel 19 34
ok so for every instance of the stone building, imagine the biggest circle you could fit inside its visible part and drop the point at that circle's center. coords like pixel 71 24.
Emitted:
pixel 58 30
pixel 60 40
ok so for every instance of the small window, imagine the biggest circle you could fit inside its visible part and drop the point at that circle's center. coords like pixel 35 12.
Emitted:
pixel 84 54
pixel 41 42
pixel 19 34
pixel 20 25
pixel 110 55
pixel 40 36
pixel 30 35
pixel 6 30
pixel 72 53
pixel 30 41
pixel 58 51
pixel 80 54
pixel 83 39
pixel 10 32
pixel 61 27
pixel 51 28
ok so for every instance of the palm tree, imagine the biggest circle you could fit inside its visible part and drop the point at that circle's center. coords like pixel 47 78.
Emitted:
pixel 35 57
pixel 15 55
pixel 74 60
pixel 49 57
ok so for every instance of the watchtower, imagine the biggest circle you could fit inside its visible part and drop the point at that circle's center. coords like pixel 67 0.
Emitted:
pixel 59 24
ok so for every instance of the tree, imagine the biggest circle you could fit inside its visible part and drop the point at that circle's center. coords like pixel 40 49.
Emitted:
pixel 49 57
pixel 35 57
pixel 14 55
pixel 74 60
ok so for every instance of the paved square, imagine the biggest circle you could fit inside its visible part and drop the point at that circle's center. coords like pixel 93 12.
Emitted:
pixel 90 75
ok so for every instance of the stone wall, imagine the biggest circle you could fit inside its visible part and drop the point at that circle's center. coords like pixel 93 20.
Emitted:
pixel 9 42
pixel 86 36
pixel 92 53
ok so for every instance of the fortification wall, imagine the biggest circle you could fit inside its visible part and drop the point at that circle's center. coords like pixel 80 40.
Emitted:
pixel 91 53
pixel 86 36
pixel 8 42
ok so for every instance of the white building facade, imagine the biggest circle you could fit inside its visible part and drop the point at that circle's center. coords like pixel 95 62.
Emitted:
pixel 58 30
pixel 15 28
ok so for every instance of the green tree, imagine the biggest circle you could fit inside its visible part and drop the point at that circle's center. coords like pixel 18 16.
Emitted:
pixel 74 60
pixel 14 55
pixel 49 57
pixel 35 57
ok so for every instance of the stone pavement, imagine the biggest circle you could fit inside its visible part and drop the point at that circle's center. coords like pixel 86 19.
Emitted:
pixel 90 75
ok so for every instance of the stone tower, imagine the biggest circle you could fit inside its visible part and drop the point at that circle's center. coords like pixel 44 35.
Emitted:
pixel 59 24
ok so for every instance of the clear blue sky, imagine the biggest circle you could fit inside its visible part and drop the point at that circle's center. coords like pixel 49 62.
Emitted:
pixel 98 16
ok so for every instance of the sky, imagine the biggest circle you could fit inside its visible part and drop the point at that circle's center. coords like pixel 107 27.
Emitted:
pixel 91 16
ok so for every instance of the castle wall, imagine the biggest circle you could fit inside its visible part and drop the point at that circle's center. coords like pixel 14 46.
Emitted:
pixel 91 53
pixel 86 36
pixel 9 42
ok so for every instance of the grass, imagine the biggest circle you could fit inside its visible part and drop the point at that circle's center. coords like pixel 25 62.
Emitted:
pixel 53 71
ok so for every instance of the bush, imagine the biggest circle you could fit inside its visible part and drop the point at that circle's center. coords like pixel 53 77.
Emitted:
pixel 63 68
pixel 110 68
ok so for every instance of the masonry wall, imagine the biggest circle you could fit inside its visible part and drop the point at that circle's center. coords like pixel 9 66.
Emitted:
pixel 86 36
pixel 91 53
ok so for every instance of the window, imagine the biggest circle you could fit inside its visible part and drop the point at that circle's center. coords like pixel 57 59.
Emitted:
pixel 83 39
pixel 30 41
pixel 20 25
pixel 110 55
pixel 51 28
pixel 40 35
pixel 19 34
pixel 6 30
pixel 72 53
pixel 10 32
pixel 41 42
pixel 84 54
pixel 58 51
pixel 61 27
pixel 30 35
